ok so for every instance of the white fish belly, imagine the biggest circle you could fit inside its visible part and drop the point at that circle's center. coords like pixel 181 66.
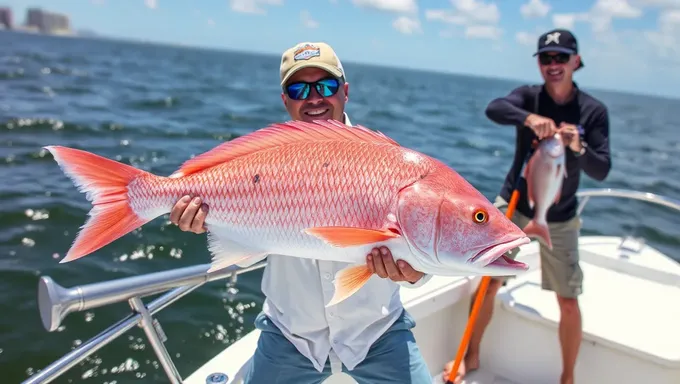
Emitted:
pixel 546 184
pixel 296 243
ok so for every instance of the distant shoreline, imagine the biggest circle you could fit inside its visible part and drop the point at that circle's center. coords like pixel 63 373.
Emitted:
pixel 91 35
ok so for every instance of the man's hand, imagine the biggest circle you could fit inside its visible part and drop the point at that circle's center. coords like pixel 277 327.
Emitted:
pixel 570 136
pixel 381 262
pixel 189 214
pixel 542 126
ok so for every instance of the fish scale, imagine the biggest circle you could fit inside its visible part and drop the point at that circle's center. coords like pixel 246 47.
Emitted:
pixel 319 190
pixel 298 186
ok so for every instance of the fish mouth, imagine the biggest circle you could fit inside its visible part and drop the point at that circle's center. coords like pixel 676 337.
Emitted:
pixel 491 255
pixel 508 263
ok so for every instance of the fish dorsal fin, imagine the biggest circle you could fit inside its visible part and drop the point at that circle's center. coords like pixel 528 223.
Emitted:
pixel 280 134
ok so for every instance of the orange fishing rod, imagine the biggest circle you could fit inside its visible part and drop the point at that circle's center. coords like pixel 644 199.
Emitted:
pixel 484 284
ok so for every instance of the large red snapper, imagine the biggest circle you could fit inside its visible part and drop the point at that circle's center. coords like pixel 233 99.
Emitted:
pixel 545 173
pixel 320 190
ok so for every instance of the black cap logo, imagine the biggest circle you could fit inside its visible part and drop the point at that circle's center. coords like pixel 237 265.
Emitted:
pixel 552 37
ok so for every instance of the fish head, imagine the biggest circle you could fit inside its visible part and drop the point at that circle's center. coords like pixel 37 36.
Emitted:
pixel 554 146
pixel 454 229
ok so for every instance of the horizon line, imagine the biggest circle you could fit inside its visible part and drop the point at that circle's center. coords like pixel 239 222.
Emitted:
pixel 96 36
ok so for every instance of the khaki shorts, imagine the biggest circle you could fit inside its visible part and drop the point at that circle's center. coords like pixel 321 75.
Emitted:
pixel 560 269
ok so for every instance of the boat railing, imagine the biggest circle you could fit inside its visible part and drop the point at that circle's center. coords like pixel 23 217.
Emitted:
pixel 56 302
pixel 584 196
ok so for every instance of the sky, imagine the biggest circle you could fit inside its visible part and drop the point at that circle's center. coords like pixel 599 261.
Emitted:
pixel 627 45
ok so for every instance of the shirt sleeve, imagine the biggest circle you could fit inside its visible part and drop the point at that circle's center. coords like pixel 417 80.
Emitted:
pixel 417 284
pixel 509 110
pixel 596 161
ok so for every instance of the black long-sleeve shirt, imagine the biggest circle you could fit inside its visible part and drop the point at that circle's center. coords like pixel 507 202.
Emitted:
pixel 584 110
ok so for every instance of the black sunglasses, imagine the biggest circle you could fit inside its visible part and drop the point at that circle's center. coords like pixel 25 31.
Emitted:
pixel 560 58
pixel 325 87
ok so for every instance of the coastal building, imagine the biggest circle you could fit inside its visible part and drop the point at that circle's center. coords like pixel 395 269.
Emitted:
pixel 48 22
pixel 6 18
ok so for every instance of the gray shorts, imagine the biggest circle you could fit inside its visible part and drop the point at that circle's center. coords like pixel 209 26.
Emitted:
pixel 560 269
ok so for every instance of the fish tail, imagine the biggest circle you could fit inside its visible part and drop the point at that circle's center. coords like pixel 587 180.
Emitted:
pixel 540 231
pixel 105 183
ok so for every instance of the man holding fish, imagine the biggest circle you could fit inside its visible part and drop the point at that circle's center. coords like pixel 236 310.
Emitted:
pixel 301 340
pixel 330 204
pixel 568 126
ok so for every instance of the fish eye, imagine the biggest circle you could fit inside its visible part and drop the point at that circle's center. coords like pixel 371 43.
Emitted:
pixel 480 216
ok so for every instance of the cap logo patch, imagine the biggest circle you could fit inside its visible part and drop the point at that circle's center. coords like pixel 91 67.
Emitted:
pixel 306 51
pixel 553 37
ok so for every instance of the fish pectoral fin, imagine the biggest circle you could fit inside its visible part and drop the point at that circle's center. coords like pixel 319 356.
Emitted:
pixel 348 281
pixel 227 252
pixel 348 236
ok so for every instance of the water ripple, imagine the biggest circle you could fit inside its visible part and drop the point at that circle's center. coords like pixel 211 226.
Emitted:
pixel 155 106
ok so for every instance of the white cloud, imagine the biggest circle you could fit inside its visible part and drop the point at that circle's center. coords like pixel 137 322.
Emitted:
pixel 466 12
pixel 650 52
pixel 252 6
pixel 151 4
pixel 483 32
pixel 211 23
pixel 526 38
pixel 307 20
pixel 406 25
pixel 600 16
pixel 445 16
pixel 567 20
pixel 534 9
pixel 616 8
pixel 396 6
pixel 666 38
pixel 657 3
pixel 662 43
pixel 478 18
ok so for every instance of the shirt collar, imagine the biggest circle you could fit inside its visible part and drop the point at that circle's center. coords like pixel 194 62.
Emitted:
pixel 346 119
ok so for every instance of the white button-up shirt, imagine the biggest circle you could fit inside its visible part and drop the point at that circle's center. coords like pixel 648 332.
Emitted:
pixel 297 290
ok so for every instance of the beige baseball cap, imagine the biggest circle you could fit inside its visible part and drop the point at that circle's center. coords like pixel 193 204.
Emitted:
pixel 306 55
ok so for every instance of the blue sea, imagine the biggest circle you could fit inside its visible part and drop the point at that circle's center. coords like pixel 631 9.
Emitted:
pixel 154 106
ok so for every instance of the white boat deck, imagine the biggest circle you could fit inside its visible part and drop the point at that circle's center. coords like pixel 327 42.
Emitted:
pixel 479 376
pixel 630 308
pixel 643 299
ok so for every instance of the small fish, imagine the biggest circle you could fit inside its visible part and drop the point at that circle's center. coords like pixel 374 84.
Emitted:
pixel 545 172
pixel 321 190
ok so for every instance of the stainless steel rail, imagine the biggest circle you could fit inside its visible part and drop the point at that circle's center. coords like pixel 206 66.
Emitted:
pixel 56 302
pixel 586 194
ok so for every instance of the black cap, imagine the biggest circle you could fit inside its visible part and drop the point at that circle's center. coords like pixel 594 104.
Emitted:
pixel 558 40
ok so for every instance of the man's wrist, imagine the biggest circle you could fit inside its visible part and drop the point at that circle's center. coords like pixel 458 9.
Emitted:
pixel 582 150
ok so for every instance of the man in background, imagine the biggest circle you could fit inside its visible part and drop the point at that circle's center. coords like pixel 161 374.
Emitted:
pixel 367 335
pixel 539 111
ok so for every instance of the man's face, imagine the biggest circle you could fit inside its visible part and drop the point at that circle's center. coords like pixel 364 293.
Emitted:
pixel 557 67
pixel 329 104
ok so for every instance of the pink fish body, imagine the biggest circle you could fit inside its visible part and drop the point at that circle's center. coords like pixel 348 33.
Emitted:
pixel 318 190
pixel 545 173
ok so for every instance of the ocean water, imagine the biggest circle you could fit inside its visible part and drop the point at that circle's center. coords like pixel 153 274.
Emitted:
pixel 154 106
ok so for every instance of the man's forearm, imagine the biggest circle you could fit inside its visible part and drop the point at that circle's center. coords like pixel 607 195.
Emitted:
pixel 596 160
pixel 595 165
pixel 502 111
